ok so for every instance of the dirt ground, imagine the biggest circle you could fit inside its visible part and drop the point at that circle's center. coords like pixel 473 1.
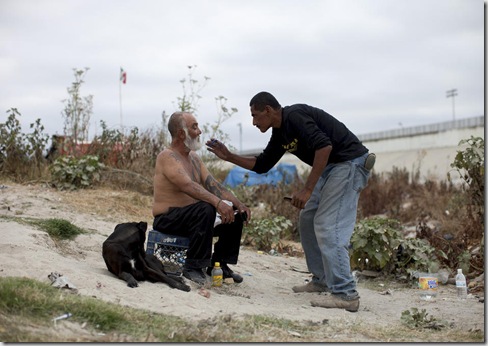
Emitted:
pixel 28 252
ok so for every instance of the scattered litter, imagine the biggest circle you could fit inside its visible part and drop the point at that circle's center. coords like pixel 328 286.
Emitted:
pixel 99 284
pixel 273 252
pixel 247 274
pixel 62 317
pixel 60 281
pixel 298 335
pixel 260 252
pixel 203 292
pixel 388 291
pixel 443 276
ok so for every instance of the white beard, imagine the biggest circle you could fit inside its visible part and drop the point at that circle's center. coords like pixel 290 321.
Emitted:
pixel 192 143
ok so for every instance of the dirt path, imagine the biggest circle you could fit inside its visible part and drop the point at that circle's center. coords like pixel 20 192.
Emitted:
pixel 266 290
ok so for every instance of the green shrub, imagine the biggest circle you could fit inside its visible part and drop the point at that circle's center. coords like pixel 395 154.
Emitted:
pixel 417 255
pixel 470 164
pixel 71 173
pixel 21 154
pixel 374 244
pixel 265 234
pixel 378 244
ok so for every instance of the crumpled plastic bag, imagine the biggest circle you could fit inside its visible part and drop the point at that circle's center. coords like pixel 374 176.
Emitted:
pixel 60 281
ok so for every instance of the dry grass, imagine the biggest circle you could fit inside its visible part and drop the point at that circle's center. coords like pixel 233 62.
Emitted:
pixel 113 204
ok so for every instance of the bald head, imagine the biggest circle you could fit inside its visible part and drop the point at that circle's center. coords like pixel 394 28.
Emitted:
pixel 176 122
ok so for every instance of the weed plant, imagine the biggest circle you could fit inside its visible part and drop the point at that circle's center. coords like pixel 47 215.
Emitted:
pixel 59 229
pixel 378 244
pixel 415 318
pixel 71 173
pixel 21 154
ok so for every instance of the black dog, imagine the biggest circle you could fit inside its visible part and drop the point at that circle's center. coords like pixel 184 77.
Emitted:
pixel 124 255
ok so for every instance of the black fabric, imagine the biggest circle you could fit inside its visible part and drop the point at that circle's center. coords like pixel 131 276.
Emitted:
pixel 305 129
pixel 196 221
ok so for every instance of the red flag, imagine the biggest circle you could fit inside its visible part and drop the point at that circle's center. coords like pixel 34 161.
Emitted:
pixel 123 75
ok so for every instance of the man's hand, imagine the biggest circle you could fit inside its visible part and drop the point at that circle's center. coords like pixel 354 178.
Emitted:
pixel 301 198
pixel 226 211
pixel 245 213
pixel 218 148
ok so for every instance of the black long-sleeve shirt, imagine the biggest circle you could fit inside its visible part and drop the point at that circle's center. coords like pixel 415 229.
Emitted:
pixel 305 129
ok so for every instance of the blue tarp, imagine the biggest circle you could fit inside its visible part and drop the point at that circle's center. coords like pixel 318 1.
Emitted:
pixel 283 172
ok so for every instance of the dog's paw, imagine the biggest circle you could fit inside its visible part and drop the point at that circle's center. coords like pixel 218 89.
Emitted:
pixel 179 283
pixel 132 283
pixel 183 287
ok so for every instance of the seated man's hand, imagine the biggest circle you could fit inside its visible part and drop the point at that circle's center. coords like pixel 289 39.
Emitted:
pixel 245 213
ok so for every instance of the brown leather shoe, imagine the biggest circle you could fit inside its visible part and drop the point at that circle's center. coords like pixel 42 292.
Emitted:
pixel 335 302
pixel 310 287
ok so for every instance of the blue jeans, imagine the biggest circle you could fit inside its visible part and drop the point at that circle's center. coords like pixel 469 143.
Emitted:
pixel 327 222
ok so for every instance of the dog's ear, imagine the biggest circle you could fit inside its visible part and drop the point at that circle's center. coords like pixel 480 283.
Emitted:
pixel 142 226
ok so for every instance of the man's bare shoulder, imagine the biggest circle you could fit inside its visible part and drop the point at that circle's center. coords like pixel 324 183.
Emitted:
pixel 168 155
pixel 165 153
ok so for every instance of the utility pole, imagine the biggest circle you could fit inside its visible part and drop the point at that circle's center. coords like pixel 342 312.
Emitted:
pixel 452 93
pixel 240 137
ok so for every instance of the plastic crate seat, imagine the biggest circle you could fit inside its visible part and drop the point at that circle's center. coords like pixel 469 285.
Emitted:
pixel 169 249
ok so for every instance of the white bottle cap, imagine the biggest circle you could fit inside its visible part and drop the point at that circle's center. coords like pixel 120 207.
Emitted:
pixel 460 271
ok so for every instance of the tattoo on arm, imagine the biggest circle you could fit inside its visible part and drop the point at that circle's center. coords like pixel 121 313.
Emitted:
pixel 214 186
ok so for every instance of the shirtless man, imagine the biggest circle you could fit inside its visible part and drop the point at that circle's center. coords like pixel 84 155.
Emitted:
pixel 187 198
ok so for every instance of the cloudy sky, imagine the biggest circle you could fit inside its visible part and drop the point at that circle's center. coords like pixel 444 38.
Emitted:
pixel 374 64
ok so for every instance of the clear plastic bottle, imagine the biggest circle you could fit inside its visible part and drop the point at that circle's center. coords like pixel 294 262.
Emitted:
pixel 462 289
pixel 217 275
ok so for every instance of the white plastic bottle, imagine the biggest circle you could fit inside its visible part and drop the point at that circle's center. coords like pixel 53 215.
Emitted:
pixel 462 289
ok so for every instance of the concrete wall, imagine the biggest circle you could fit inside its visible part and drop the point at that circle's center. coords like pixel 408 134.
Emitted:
pixel 431 155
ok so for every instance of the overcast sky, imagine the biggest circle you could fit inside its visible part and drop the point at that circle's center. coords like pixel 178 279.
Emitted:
pixel 373 64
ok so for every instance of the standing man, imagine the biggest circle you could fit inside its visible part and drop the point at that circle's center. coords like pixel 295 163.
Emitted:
pixel 187 198
pixel 328 202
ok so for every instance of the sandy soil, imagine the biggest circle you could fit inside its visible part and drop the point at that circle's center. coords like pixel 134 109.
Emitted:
pixel 28 252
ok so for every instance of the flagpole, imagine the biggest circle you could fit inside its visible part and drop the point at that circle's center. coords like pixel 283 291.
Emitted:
pixel 120 100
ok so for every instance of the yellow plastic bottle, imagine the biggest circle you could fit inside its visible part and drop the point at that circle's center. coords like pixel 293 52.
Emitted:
pixel 217 275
